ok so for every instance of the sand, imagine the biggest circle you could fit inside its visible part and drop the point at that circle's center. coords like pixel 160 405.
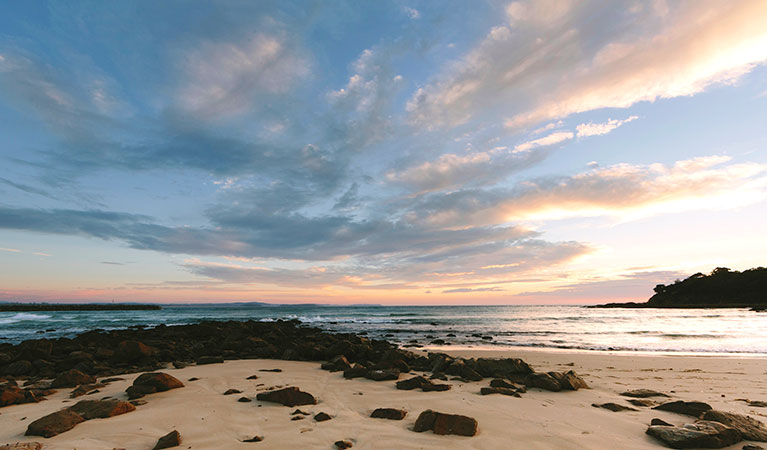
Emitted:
pixel 207 419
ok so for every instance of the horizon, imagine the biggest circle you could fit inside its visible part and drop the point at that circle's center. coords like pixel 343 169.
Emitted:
pixel 402 153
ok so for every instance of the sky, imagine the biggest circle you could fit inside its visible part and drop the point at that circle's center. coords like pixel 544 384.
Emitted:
pixel 392 152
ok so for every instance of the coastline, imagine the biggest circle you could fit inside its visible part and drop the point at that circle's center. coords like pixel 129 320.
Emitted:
pixel 539 419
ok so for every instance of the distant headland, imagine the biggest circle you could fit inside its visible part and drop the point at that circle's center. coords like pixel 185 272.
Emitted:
pixel 22 307
pixel 722 288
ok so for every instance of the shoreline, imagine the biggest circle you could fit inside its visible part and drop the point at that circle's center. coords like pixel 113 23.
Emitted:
pixel 539 419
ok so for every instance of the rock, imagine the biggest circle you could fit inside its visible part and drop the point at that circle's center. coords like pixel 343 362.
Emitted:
pixel 570 380
pixel 84 389
pixel 138 402
pixel 19 368
pixel 643 393
pixel 502 368
pixel 389 413
pixel 336 364
pixel 172 439
pixel 751 429
pixel 151 382
pixel 543 381
pixel 252 377
pixel 694 409
pixel 297 418
pixel 232 391
pixel 321 417
pixel 382 374
pixel 702 434
pixel 131 351
pixel 498 390
pixel 14 395
pixel 442 423
pixel 270 370
pixel 438 341
pixel 416 382
pixel 435 387
pixel 101 409
pixel 244 400
pixel 290 396
pixel 661 422
pixel 745 447
pixel 254 439
pixel 614 407
pixel 641 402
pixel 298 411
pixel 499 383
pixel 179 364
pixel 201 361
pixel 342 445
pixel 72 378
pixel 355 371
pixel 54 423
pixel 25 446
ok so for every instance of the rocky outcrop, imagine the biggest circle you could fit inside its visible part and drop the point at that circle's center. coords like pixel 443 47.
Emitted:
pixel 702 434
pixel 72 378
pixel 149 383
pixel 694 409
pixel 389 413
pixel 290 396
pixel 441 423
pixel 14 395
pixel 424 384
pixel 750 428
pixel 172 439
pixel 54 423
pixel 556 381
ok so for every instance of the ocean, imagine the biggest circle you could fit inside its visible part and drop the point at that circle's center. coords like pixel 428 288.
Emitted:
pixel 695 331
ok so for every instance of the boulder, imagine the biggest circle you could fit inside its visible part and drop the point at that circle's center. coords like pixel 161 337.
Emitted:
pixel 661 422
pixel 355 371
pixel 343 445
pixel 643 393
pixel 132 351
pixel 498 390
pixel 751 429
pixel 85 389
pixel 500 383
pixel 72 378
pixel 244 400
pixel 322 416
pixel 54 423
pixel 702 434
pixel 694 409
pixel 172 439
pixel 101 409
pixel 209 360
pixel 442 423
pixel 232 391
pixel 151 382
pixel 569 380
pixel 290 396
pixel 336 364
pixel 382 374
pixel 19 368
pixel 389 413
pixel 614 407
pixel 502 368
pixel 643 402
pixel 544 381
pixel 254 439
pixel 14 395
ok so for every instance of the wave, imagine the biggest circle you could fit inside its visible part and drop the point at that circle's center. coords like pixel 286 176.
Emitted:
pixel 20 317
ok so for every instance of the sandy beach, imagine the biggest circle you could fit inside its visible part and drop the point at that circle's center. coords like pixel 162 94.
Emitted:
pixel 207 419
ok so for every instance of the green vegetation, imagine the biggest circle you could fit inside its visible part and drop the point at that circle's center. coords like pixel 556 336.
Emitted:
pixel 722 288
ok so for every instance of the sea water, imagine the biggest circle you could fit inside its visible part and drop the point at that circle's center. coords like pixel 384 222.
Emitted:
pixel 703 331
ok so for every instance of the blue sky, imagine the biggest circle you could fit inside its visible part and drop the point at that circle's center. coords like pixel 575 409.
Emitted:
pixel 392 152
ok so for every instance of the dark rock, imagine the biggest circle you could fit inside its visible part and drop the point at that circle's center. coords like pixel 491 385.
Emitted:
pixel 151 382
pixel 435 387
pixel 111 380
pixel 544 381
pixel 19 368
pixel 172 439
pixel 416 382
pixel 297 418
pixel 101 409
pixel 499 383
pixel 661 422
pixel 84 389
pixel 179 364
pixel 244 400
pixel 232 391
pixel 342 445
pixel 321 417
pixel 498 390
pixel 702 434
pixel 442 423
pixel 290 396
pixel 751 429
pixel 336 364
pixel 569 380
pixel 355 371
pixel 614 407
pixel 54 423
pixel 298 411
pixel 641 402
pixel 694 409
pixel 643 393
pixel 252 377
pixel 254 439
pixel 131 351
pixel 14 395
pixel 382 374
pixel 270 370
pixel 389 413
pixel 209 360
pixel 72 378
pixel 438 341
pixel 745 447
pixel 138 402
pixel 193 379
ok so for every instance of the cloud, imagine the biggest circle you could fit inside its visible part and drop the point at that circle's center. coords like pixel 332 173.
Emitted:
pixel 552 139
pixel 411 12
pixel 464 290
pixel 570 64
pixel 622 191
pixel 598 129
pixel 225 78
